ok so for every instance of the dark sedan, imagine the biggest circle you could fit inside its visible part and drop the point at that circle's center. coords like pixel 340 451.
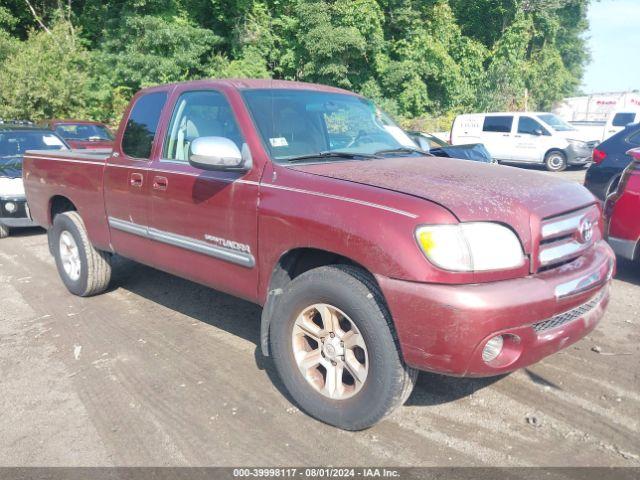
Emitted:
pixel 610 160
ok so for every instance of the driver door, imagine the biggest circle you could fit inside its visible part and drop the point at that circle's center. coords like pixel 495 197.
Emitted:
pixel 207 220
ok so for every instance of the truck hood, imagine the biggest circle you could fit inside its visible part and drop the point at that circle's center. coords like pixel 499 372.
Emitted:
pixel 472 191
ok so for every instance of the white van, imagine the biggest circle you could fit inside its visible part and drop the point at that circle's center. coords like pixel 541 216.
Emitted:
pixel 525 137
pixel 618 120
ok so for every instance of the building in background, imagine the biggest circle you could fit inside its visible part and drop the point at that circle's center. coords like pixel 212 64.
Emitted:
pixel 596 107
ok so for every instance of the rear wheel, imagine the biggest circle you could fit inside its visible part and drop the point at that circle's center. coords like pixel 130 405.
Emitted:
pixel 555 161
pixel 84 270
pixel 333 344
pixel 4 231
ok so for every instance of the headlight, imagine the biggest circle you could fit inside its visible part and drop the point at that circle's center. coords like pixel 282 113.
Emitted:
pixel 469 247
pixel 577 143
pixel 10 207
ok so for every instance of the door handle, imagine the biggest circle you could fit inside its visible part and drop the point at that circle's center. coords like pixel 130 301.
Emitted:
pixel 136 179
pixel 160 183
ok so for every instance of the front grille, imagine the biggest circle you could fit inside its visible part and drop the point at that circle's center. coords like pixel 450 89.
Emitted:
pixel 562 240
pixel 569 316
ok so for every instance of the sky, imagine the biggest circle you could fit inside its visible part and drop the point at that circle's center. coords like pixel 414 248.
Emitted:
pixel 614 41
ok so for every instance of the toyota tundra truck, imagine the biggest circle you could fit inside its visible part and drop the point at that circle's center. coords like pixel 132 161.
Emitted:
pixel 371 259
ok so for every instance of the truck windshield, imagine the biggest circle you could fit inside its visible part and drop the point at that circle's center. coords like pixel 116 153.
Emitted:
pixel 14 144
pixel 311 125
pixel 556 122
pixel 83 131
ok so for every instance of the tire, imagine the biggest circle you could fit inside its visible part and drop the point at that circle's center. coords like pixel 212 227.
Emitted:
pixel 4 231
pixel 555 161
pixel 356 301
pixel 84 270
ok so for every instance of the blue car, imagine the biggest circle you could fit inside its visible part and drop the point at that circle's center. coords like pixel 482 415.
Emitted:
pixel 609 160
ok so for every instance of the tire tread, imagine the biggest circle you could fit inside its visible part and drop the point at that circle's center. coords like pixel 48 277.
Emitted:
pixel 98 263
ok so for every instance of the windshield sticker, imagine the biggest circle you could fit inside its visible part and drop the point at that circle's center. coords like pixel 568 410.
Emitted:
pixel 279 142
pixel 51 141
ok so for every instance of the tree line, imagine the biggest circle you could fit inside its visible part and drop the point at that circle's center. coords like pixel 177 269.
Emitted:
pixel 420 59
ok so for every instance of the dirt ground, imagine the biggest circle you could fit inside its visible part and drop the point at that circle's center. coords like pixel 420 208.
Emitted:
pixel 161 371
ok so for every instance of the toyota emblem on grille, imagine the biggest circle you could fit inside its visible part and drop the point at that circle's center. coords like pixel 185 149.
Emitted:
pixel 585 231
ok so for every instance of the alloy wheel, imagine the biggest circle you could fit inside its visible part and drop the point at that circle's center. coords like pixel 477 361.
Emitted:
pixel 330 351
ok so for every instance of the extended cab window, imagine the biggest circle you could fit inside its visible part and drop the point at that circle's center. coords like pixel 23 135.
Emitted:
pixel 199 114
pixel 529 126
pixel 142 125
pixel 497 124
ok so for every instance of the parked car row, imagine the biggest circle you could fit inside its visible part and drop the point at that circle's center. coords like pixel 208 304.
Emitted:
pixel 525 138
pixel 15 139
pixel 371 259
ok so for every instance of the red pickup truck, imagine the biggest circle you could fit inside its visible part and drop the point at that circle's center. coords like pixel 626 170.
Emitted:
pixel 621 211
pixel 371 259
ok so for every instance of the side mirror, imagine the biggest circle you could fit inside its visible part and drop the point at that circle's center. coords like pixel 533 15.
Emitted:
pixel 215 153
pixel 538 132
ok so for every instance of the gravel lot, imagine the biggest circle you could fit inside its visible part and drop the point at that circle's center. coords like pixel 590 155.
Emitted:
pixel 161 371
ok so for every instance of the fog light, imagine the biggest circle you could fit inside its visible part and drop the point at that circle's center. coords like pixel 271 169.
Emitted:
pixel 10 207
pixel 492 349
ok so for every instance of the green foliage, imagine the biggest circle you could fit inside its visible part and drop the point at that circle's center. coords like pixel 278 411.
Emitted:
pixel 417 58
pixel 41 78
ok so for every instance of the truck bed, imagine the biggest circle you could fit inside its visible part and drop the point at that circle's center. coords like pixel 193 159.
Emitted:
pixel 75 176
pixel 98 154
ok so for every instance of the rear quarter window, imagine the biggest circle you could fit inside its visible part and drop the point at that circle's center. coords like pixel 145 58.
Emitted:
pixel 623 119
pixel 497 124
pixel 140 131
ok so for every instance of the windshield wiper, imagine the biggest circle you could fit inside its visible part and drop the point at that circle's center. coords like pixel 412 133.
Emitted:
pixel 401 150
pixel 331 154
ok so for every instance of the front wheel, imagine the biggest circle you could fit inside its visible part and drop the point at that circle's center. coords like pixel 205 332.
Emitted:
pixel 84 270
pixel 4 231
pixel 333 344
pixel 555 161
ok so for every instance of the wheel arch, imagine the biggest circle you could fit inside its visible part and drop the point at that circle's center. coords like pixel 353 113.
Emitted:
pixel 555 149
pixel 290 265
pixel 60 204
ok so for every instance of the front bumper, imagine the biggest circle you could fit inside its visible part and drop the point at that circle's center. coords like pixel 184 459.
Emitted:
pixel 443 328
pixel 578 155
pixel 18 218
